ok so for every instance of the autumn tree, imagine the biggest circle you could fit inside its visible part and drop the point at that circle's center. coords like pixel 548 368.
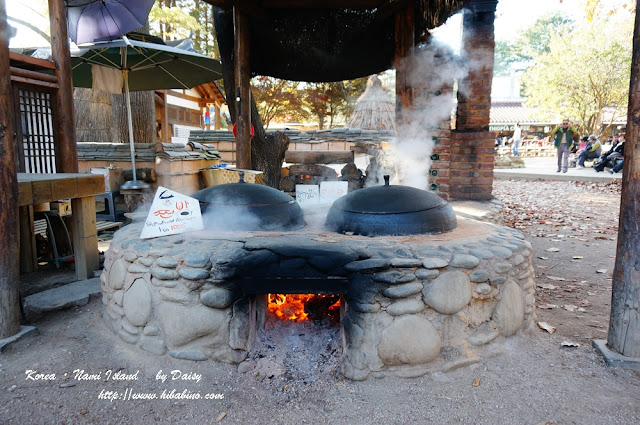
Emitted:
pixel 276 98
pixel 595 8
pixel 584 71
pixel 332 100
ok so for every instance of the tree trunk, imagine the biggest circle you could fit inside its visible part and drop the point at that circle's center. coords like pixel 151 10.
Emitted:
pixel 267 151
pixel 93 115
pixel 624 323
pixel 9 237
pixel 143 116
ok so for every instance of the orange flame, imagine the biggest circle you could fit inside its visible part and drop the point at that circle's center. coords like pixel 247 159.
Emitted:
pixel 292 306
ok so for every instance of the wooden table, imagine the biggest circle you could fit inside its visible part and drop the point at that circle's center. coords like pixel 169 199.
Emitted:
pixel 36 189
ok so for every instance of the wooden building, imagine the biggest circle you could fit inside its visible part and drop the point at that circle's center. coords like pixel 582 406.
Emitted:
pixel 38 160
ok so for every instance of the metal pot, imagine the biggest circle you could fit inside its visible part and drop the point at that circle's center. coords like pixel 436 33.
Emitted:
pixel 246 207
pixel 391 210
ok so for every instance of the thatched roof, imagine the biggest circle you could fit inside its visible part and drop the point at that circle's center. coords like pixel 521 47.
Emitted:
pixel 375 109
pixel 330 40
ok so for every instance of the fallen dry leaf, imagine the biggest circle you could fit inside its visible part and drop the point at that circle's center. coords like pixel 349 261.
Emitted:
pixel 552 249
pixel 547 327
pixel 583 303
pixel 546 286
pixel 570 307
pixel 476 382
pixel 556 278
pixel 221 416
pixel 543 258
pixel 547 306
pixel 578 257
pixel 569 344
pixel 601 271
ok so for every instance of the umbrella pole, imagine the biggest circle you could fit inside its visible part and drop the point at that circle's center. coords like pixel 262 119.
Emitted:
pixel 131 184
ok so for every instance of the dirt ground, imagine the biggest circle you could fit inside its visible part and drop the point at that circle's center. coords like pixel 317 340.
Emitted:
pixel 292 375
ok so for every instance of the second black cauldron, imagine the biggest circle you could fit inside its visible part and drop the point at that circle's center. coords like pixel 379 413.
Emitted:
pixel 391 210
pixel 247 207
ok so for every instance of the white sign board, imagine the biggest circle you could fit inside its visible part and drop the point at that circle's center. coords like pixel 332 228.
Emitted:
pixel 330 191
pixel 307 194
pixel 171 213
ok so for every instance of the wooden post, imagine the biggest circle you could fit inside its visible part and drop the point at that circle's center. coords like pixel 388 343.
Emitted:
pixel 216 118
pixel 28 252
pixel 65 132
pixel 9 235
pixel 242 70
pixel 624 323
pixel 163 111
pixel 85 238
pixel 405 42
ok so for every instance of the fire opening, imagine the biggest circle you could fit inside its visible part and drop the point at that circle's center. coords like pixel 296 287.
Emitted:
pixel 300 307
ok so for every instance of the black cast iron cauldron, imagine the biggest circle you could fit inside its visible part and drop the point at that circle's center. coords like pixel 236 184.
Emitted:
pixel 246 207
pixel 391 210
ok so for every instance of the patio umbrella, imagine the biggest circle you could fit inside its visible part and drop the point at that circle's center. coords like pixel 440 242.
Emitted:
pixel 92 20
pixel 141 66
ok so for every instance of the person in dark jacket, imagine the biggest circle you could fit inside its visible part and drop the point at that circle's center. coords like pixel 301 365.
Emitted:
pixel 618 167
pixel 609 158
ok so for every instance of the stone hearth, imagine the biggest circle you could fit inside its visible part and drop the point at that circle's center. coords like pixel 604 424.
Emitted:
pixel 410 304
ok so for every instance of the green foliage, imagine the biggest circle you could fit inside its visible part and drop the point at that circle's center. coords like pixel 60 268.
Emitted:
pixel 178 19
pixel 505 60
pixel 583 72
pixel 532 42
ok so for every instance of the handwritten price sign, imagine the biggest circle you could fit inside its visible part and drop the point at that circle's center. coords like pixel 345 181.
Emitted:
pixel 171 213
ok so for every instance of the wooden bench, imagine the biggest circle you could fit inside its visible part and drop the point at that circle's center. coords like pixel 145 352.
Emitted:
pixel 36 189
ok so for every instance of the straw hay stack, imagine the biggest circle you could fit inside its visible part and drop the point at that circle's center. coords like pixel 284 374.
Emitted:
pixel 375 109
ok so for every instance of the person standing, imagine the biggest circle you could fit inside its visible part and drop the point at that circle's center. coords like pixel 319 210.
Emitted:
pixel 563 136
pixel 517 136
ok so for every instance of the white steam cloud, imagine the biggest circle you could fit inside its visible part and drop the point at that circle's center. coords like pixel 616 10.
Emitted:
pixel 433 70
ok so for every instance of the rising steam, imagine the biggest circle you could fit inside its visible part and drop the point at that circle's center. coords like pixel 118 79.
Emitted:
pixel 434 69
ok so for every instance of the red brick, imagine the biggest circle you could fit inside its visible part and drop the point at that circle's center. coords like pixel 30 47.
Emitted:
pixel 483 181
pixel 439 165
pixel 460 181
pixel 461 166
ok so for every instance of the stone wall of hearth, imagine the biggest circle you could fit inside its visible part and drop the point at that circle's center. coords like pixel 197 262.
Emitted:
pixel 412 305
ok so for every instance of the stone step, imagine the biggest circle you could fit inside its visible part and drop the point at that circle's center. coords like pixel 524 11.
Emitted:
pixel 73 294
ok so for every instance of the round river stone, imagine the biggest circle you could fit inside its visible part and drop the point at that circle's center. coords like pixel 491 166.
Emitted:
pixel 409 340
pixel 448 293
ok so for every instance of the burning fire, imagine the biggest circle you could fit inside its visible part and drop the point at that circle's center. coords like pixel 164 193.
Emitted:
pixel 299 307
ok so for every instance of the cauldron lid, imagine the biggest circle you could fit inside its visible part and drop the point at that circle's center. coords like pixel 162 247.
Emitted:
pixel 389 199
pixel 242 193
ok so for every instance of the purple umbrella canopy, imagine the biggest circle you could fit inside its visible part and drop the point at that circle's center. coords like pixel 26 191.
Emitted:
pixel 97 20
